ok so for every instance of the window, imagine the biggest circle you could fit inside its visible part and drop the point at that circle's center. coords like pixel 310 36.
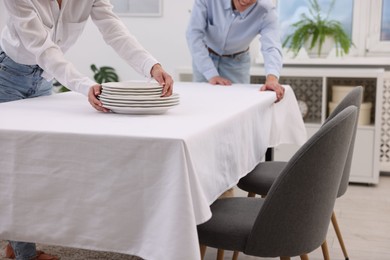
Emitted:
pixel 378 41
pixel 385 26
pixel 290 12
pixel 366 21
pixel 138 7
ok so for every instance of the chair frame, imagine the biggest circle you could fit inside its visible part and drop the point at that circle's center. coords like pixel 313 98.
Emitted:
pixel 354 97
pixel 279 204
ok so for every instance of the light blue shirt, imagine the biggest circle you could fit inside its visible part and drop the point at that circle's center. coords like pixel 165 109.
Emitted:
pixel 216 25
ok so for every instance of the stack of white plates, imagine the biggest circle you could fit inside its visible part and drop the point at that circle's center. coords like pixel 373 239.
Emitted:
pixel 136 98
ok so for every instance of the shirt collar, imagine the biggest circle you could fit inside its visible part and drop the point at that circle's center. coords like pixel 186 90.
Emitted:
pixel 227 5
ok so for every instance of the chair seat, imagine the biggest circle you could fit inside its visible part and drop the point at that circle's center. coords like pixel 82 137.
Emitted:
pixel 231 223
pixel 261 178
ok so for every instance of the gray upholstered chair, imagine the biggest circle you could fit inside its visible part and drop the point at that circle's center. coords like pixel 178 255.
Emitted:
pixel 293 218
pixel 261 178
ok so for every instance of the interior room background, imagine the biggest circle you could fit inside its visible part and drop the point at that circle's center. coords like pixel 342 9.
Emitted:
pixel 164 36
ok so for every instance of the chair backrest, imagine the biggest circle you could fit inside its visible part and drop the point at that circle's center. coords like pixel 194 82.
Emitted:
pixel 353 98
pixel 295 216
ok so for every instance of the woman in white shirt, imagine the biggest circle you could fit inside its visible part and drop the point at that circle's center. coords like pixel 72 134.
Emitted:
pixel 38 33
pixel 32 47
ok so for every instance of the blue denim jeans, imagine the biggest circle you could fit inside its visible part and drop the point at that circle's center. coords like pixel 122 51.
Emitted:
pixel 24 250
pixel 234 69
pixel 19 81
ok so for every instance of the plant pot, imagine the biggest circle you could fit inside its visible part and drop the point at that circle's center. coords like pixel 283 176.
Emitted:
pixel 325 50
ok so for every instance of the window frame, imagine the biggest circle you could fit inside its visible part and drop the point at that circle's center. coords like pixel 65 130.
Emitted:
pixel 158 5
pixel 374 45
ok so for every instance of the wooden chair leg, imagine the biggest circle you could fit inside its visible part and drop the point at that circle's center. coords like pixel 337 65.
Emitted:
pixel 339 236
pixel 304 257
pixel 235 255
pixel 285 258
pixel 251 194
pixel 202 251
pixel 220 253
pixel 325 251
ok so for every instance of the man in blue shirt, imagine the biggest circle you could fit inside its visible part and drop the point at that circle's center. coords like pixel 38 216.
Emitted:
pixel 219 35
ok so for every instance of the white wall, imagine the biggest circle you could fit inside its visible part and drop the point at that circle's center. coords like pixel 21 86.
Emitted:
pixel 163 37
pixel 3 15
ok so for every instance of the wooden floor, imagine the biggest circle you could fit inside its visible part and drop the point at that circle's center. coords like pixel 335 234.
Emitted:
pixel 363 214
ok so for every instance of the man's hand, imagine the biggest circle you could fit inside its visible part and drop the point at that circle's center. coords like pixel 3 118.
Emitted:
pixel 218 80
pixel 163 78
pixel 272 84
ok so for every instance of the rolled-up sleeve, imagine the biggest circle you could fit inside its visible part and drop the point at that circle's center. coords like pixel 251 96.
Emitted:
pixel 195 39
pixel 271 45
pixel 36 39
pixel 119 38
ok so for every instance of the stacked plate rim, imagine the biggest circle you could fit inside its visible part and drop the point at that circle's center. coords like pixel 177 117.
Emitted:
pixel 136 98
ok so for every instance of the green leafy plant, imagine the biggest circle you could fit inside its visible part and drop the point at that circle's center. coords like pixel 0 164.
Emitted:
pixel 104 74
pixel 59 85
pixel 101 75
pixel 316 29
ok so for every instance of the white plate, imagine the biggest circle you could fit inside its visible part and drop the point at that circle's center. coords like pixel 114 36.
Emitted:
pixel 138 104
pixel 130 93
pixel 138 110
pixel 132 90
pixel 174 96
pixel 139 101
pixel 131 85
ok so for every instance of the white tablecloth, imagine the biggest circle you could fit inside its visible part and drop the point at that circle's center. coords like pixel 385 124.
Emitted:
pixel 72 176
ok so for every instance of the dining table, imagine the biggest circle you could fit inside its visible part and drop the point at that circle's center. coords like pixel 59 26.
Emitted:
pixel 137 184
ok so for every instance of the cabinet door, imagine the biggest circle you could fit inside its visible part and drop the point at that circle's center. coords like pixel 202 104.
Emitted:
pixel 362 169
pixel 284 152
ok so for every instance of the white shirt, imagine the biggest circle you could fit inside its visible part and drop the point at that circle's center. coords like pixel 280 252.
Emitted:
pixel 39 32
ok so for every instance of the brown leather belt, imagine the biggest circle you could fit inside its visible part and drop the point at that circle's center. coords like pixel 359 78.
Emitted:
pixel 227 55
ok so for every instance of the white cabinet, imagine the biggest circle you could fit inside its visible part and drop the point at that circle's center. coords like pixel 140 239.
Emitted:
pixel 284 152
pixel 314 86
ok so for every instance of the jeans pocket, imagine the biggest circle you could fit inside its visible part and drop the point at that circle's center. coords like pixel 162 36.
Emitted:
pixel 2 56
pixel 16 69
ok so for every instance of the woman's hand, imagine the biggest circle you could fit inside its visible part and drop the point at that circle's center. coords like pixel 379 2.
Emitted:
pixel 163 78
pixel 95 91
pixel 272 84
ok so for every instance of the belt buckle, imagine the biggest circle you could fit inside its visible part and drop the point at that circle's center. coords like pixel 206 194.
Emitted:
pixel 231 56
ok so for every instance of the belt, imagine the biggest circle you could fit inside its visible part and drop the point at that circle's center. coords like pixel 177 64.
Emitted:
pixel 227 55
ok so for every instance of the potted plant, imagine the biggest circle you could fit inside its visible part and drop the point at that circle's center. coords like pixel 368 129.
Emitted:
pixel 314 32
pixel 104 74
pixel 101 75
